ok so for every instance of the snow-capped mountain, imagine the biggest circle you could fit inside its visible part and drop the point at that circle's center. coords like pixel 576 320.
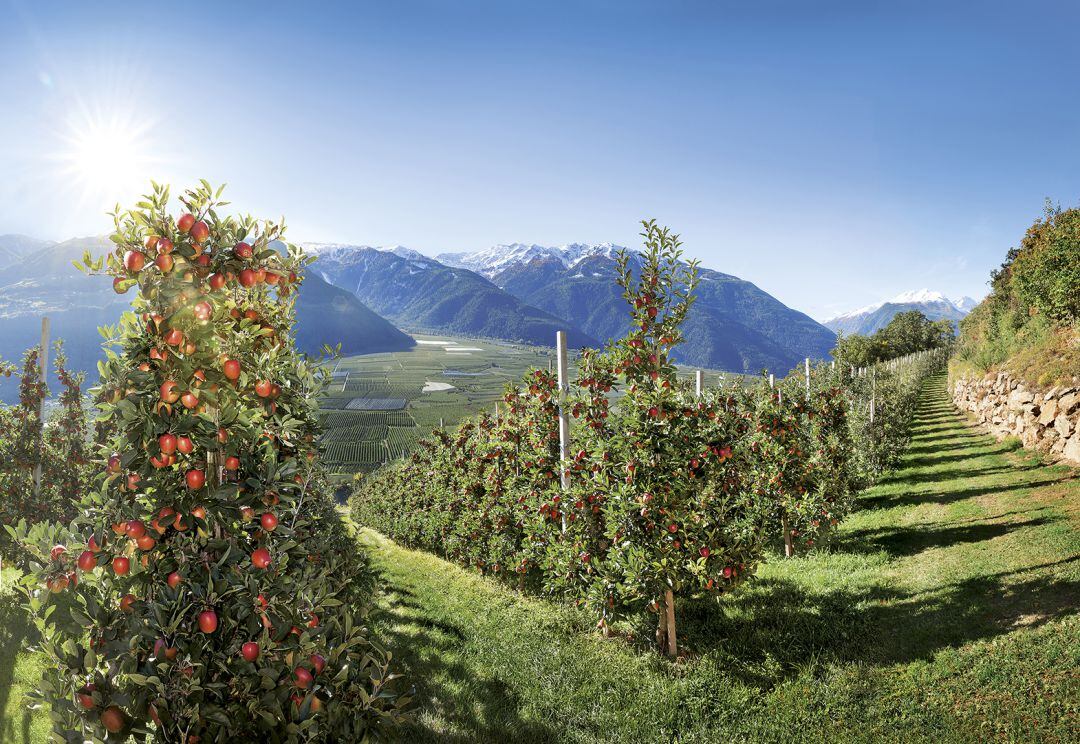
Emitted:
pixel 497 258
pixel 934 305
pixel 337 250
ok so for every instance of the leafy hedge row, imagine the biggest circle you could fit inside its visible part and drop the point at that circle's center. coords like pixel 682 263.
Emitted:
pixel 669 492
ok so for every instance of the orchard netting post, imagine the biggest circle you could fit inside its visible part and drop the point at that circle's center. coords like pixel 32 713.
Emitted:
pixel 564 418
pixel 43 366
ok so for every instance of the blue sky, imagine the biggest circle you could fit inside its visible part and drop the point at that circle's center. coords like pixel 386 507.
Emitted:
pixel 833 153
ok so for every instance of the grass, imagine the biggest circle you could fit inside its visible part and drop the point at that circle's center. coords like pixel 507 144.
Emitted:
pixel 19 671
pixel 946 610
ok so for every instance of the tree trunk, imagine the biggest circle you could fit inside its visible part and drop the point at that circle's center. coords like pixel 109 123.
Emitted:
pixel 672 644
pixel 661 627
pixel 789 547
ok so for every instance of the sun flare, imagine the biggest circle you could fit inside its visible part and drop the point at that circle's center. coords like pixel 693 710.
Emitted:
pixel 106 157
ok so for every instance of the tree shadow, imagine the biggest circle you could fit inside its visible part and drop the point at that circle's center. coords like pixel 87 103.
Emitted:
pixel 16 633
pixel 771 631
pixel 904 541
pixel 937 476
pixel 482 708
pixel 949 496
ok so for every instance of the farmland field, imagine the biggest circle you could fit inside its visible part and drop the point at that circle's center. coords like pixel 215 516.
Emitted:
pixel 379 405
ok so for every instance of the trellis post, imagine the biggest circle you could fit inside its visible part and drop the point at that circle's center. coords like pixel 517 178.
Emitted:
pixel 807 378
pixel 564 419
pixel 43 367
pixel 699 382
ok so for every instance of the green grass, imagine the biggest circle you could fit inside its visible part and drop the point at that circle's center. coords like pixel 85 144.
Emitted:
pixel 19 671
pixel 946 610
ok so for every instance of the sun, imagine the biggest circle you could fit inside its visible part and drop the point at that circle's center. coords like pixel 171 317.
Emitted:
pixel 106 157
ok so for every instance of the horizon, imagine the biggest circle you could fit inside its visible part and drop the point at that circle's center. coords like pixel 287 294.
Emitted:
pixel 834 158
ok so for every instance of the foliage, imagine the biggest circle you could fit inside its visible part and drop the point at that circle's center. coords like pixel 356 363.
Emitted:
pixel 1033 307
pixel 907 333
pixel 58 447
pixel 206 589
pixel 668 493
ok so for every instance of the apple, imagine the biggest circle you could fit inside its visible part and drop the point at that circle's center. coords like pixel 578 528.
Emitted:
pixel 174 579
pixel 248 278
pixel 164 245
pixel 145 542
pixel 87 561
pixel 126 601
pixel 167 443
pixel 184 444
pixel 263 388
pixel 217 281
pixel 169 391
pixel 57 551
pixel 164 262
pixel 189 400
pixel 268 521
pixel 318 662
pixel 203 311
pixel 250 651
pixel 113 465
pixel 113 719
pixel 121 565
pixel 195 479
pixel 199 512
pixel 119 286
pixel 232 463
pixel 247 513
pixel 174 337
pixel 134 261
pixel 260 558
pixel 92 545
pixel 242 250
pixel 231 368
pixel 208 621
pixel 185 222
pixel 86 696
pixel 303 678
pixel 135 529
pixel 200 232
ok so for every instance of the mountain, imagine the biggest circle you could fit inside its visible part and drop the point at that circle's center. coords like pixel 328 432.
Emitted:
pixel 13 247
pixel 733 324
pixel 422 293
pixel 934 305
pixel 44 282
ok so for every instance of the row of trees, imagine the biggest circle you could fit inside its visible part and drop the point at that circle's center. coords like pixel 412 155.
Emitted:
pixel 206 589
pixel 668 491
pixel 907 333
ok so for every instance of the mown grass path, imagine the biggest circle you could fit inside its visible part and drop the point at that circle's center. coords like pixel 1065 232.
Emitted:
pixel 946 610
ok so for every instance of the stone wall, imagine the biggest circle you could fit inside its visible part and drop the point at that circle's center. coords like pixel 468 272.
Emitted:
pixel 1048 422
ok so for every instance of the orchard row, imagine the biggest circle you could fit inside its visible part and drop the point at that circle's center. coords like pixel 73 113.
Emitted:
pixel 666 491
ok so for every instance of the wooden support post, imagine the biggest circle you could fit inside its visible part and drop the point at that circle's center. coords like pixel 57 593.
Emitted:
pixel 808 378
pixel 441 424
pixel 43 367
pixel 772 381
pixel 564 418
pixel 699 382
pixel 873 394
pixel 672 641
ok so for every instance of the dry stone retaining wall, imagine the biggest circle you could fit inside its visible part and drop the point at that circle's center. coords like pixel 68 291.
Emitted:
pixel 1048 422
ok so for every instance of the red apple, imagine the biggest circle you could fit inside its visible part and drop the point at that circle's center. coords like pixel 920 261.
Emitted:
pixel 164 245
pixel 263 388
pixel 135 529
pixel 174 579
pixel 248 278
pixel 318 662
pixel 217 281
pixel 207 621
pixel 169 391
pixel 185 222
pixel 231 368
pixel 232 463
pixel 126 601
pixel 113 719
pixel 195 479
pixel 268 521
pixel 250 651
pixel 303 678
pixel 134 261
pixel 184 444
pixel 85 696
pixel 167 443
pixel 260 558
pixel 164 262
pixel 242 250
pixel 87 561
pixel 57 551
pixel 121 565
pixel 200 232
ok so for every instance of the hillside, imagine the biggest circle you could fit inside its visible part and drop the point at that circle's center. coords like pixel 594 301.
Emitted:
pixel 45 282
pixel 421 293
pixel 733 325
pixel 13 247
pixel 935 306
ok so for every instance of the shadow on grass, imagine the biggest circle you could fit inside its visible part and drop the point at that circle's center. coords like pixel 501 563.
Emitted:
pixel 949 496
pixel 902 541
pixel 949 474
pixel 16 633
pixel 482 709
pixel 771 631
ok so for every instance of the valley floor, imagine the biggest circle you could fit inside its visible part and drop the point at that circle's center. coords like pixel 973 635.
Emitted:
pixel 948 609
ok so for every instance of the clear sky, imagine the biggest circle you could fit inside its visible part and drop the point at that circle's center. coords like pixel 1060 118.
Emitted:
pixel 833 153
